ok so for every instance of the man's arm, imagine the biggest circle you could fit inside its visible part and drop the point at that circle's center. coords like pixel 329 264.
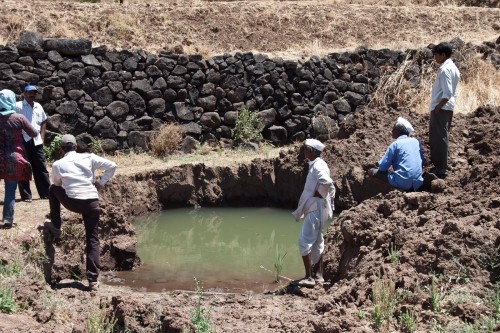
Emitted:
pixel 55 176
pixel 42 131
pixel 108 166
pixel 386 160
pixel 446 85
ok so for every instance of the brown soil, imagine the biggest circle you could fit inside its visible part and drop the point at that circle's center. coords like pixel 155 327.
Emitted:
pixel 450 231
pixel 288 28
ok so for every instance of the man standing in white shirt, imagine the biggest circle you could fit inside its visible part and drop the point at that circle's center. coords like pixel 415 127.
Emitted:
pixel 74 186
pixel 33 147
pixel 444 91
pixel 316 207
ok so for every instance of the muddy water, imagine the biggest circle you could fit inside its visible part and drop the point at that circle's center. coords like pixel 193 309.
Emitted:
pixel 227 249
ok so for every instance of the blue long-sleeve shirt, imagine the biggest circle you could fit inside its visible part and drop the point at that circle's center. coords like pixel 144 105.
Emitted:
pixel 406 157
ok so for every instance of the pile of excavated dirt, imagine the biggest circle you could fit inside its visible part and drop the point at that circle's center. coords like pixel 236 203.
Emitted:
pixel 436 250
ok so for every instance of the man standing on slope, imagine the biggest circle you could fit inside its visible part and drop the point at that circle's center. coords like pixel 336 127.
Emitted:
pixel 33 147
pixel 444 91
pixel 74 186
pixel 316 207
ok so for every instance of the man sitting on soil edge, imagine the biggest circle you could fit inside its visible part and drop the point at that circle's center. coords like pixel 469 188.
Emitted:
pixel 74 186
pixel 316 207
pixel 404 156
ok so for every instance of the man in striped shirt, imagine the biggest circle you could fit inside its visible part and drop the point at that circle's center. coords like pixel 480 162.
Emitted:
pixel 33 147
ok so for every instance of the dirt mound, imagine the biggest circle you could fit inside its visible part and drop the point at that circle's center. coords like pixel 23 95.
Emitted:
pixel 410 237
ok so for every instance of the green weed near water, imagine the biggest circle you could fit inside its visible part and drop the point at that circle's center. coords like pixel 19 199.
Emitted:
pixel 278 263
pixel 200 316
pixel 7 303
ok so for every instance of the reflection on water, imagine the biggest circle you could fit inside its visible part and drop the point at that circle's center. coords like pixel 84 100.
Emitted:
pixel 226 248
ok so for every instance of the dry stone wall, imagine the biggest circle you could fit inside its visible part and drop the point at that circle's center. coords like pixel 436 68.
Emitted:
pixel 122 96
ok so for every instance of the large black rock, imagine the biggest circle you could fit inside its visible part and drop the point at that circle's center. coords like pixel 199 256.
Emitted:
pixel 68 46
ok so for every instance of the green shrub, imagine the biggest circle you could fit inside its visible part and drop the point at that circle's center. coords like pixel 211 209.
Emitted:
pixel 384 299
pixel 96 146
pixel 7 304
pixel 200 317
pixel 408 321
pixel 52 150
pixel 248 127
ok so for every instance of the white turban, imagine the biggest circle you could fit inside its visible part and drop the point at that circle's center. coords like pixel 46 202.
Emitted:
pixel 405 123
pixel 316 144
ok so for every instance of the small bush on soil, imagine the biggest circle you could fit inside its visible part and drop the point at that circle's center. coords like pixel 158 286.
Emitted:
pixel 35 253
pixel 393 254
pixel 7 304
pixel 278 263
pixel 96 146
pixel 52 150
pixel 384 299
pixel 248 127
pixel 435 296
pixel 200 316
pixel 13 269
pixel 408 321
pixel 97 322
pixel 166 140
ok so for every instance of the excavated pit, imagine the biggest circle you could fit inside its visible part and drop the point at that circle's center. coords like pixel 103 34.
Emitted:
pixel 450 229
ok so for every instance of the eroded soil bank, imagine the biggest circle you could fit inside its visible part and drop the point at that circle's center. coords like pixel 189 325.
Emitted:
pixel 449 231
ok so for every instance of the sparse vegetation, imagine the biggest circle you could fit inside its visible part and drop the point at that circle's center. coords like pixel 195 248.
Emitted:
pixel 166 140
pixel 96 146
pixel 408 321
pixel 52 150
pixel 383 298
pixel 278 263
pixel 393 254
pixel 7 303
pixel 200 316
pixel 98 322
pixel 248 127
pixel 435 296
pixel 13 269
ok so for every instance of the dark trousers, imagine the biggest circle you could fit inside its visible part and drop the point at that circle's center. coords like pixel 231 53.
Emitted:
pixel 90 211
pixel 439 125
pixel 36 156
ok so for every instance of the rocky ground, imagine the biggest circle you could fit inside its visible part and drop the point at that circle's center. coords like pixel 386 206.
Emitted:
pixel 433 253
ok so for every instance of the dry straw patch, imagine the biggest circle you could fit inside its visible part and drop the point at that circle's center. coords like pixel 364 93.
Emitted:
pixel 166 140
pixel 479 85
pixel 291 29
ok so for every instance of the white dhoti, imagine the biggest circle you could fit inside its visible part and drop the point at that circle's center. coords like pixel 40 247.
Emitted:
pixel 311 236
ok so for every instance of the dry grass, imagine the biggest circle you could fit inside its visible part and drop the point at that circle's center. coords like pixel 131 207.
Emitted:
pixel 137 162
pixel 166 140
pixel 291 29
pixel 479 85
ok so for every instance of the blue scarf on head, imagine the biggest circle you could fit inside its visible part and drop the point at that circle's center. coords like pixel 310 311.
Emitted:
pixel 7 102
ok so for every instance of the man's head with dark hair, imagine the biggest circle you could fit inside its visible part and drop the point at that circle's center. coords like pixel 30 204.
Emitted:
pixel 443 48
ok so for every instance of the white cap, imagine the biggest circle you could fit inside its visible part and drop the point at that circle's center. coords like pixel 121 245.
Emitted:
pixel 316 144
pixel 405 123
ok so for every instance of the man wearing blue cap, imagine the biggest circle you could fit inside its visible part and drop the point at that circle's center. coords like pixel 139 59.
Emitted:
pixel 33 147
